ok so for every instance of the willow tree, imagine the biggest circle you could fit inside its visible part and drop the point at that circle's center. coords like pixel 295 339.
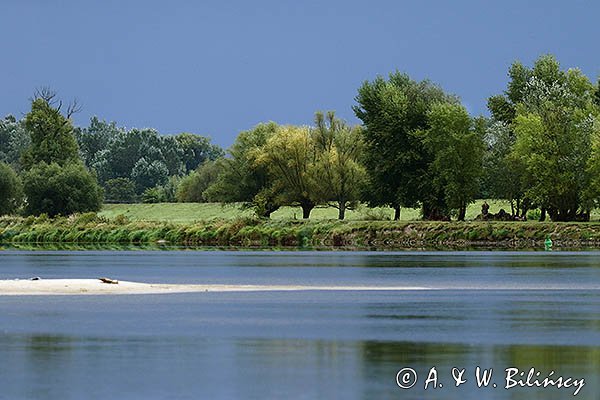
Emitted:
pixel 290 156
pixel 339 173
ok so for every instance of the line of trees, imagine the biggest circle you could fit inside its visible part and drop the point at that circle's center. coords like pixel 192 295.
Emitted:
pixel 417 146
pixel 49 166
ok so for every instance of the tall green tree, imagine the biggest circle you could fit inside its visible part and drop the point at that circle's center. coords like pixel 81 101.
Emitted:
pixel 196 150
pixel 56 181
pixel 242 178
pixel 456 144
pixel 339 173
pixel 392 111
pixel 290 154
pixel 149 174
pixel 52 139
pixel 93 139
pixel 504 173
pixel 555 117
pixel 14 141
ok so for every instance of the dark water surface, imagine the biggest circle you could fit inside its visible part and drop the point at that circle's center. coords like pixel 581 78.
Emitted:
pixel 489 309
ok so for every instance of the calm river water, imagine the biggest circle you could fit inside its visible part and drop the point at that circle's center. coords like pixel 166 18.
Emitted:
pixel 497 310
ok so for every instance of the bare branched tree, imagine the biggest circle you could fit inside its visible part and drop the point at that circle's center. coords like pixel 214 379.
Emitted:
pixel 49 95
pixel 73 108
pixel 45 93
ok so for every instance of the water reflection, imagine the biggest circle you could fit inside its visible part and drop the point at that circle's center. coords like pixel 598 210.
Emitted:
pixel 300 345
pixel 50 367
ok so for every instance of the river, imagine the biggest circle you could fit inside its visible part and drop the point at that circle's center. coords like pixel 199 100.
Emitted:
pixel 493 310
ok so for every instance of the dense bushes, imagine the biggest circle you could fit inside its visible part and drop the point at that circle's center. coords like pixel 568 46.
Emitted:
pixel 53 189
pixel 192 188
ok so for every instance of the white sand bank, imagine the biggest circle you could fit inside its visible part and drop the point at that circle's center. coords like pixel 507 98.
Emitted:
pixel 95 286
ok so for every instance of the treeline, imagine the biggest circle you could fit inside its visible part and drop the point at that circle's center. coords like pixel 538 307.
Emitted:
pixel 49 166
pixel 417 146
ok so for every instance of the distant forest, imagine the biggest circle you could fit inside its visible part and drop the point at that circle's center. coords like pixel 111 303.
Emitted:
pixel 417 146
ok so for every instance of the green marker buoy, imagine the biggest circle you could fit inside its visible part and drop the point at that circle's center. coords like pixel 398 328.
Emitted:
pixel 548 244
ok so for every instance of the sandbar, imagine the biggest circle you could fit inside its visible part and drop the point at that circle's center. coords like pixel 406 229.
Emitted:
pixel 46 287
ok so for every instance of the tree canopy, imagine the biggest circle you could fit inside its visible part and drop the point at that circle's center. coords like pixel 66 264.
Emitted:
pixel 242 178
pixel 52 139
pixel 56 181
pixel 289 155
pixel 417 146
pixel 455 142
pixel 392 112
pixel 554 117
pixel 141 155
pixel 14 140
pixel 338 171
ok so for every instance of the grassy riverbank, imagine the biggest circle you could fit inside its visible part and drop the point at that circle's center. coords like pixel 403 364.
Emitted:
pixel 190 212
pixel 250 232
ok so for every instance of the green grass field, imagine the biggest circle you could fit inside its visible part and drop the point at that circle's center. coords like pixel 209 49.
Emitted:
pixel 189 212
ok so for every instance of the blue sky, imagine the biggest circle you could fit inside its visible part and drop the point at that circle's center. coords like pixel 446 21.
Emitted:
pixel 219 67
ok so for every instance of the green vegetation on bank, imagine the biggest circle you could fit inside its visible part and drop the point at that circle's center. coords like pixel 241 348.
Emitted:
pixel 252 232
pixel 417 148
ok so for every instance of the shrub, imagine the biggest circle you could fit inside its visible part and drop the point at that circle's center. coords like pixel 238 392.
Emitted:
pixel 152 195
pixel 55 189
pixel 374 214
pixel 534 215
pixel 191 188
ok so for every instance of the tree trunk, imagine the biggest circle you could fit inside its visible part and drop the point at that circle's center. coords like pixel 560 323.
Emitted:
pixel 342 210
pixel 266 214
pixel 585 217
pixel 433 213
pixel 462 212
pixel 396 213
pixel 269 208
pixel 543 214
pixel 307 207
pixel 525 205
pixel 524 213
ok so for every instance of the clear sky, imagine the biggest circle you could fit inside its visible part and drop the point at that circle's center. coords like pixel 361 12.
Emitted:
pixel 219 67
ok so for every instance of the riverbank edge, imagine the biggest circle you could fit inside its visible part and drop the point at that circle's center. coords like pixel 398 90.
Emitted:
pixel 250 232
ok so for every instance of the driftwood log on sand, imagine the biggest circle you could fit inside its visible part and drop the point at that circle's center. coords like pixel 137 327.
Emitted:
pixel 108 280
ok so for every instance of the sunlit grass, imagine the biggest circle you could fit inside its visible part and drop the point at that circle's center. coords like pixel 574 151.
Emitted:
pixel 188 212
